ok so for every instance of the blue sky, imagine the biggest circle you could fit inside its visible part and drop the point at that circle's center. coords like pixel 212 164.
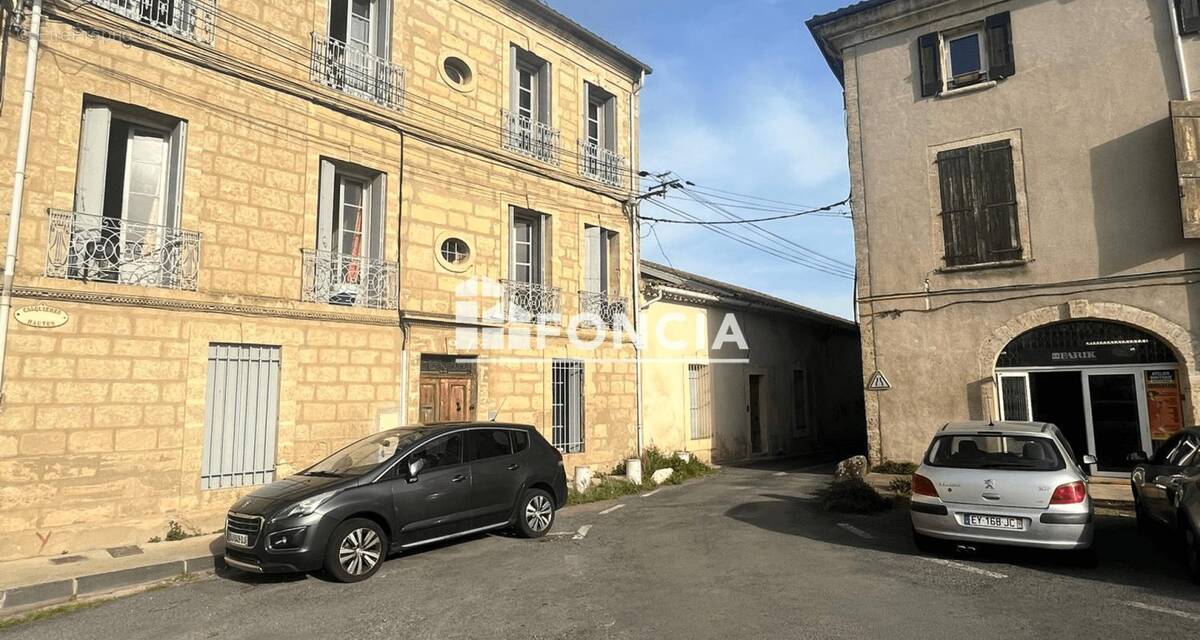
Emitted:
pixel 740 100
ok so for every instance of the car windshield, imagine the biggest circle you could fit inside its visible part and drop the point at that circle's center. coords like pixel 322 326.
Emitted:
pixel 975 451
pixel 365 454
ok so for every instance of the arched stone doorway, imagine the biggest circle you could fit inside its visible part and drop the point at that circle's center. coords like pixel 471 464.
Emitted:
pixel 1112 377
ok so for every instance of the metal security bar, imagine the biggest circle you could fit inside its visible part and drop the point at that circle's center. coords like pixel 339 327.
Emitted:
pixel 532 302
pixel 566 382
pixel 87 247
pixel 192 19
pixel 352 281
pixel 610 310
pixel 600 164
pixel 700 403
pixel 530 138
pixel 241 416
pixel 356 71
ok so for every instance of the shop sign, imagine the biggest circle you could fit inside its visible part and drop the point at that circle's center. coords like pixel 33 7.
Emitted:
pixel 41 316
pixel 1163 403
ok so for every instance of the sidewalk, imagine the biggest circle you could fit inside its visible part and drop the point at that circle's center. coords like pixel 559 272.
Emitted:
pixel 1105 492
pixel 46 580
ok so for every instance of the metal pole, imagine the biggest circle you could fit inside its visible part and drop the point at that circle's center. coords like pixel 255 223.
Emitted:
pixel 1179 57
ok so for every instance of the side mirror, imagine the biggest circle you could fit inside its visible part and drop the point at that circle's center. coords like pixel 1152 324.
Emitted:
pixel 1137 457
pixel 1089 459
pixel 414 468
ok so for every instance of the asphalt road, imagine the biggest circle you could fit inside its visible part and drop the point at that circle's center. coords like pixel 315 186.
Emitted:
pixel 745 554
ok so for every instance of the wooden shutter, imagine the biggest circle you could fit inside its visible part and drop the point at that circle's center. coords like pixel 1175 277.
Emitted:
pixel 376 228
pixel 592 253
pixel 1001 61
pixel 327 200
pixel 1000 237
pixel 543 98
pixel 1185 117
pixel 609 137
pixel 1189 16
pixel 241 415
pixel 514 82
pixel 929 60
pixel 958 207
pixel 92 169
pixel 174 200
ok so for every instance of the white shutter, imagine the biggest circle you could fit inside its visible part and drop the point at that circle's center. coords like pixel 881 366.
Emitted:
pixel 92 170
pixel 376 227
pixel 593 249
pixel 172 205
pixel 327 200
pixel 241 415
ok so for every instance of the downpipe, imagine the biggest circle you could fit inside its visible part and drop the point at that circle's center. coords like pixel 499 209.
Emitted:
pixel 1180 59
pixel 635 260
pixel 18 192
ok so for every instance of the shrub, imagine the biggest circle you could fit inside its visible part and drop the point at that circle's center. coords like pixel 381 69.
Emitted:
pixel 606 488
pixel 177 531
pixel 893 467
pixel 852 495
pixel 902 486
pixel 653 460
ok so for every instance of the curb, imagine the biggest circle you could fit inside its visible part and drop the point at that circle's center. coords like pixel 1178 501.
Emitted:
pixel 24 598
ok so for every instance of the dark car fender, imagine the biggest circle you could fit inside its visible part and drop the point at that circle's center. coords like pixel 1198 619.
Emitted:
pixel 371 500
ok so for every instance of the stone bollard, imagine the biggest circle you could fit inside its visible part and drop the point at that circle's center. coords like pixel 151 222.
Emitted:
pixel 633 470
pixel 583 478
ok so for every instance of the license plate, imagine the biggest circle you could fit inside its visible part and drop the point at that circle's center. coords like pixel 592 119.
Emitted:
pixel 993 522
pixel 240 539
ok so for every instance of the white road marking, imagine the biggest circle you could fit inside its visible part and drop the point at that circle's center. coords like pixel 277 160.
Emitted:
pixel 612 509
pixel 965 567
pixel 855 530
pixel 582 533
pixel 561 533
pixel 1170 612
pixel 647 495
pixel 781 473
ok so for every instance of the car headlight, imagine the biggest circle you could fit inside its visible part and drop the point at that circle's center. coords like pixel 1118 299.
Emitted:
pixel 305 507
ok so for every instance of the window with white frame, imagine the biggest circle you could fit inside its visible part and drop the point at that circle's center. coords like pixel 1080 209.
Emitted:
pixel 601 118
pixel 530 87
pixel 528 237
pixel 347 267
pixel 964 56
pixel 700 405
pixel 567 425
pixel 241 415
pixel 601 259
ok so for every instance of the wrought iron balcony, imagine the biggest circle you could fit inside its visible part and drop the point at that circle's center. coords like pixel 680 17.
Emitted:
pixel 607 309
pixel 530 137
pixel 356 71
pixel 191 19
pixel 600 164
pixel 351 281
pixel 532 302
pixel 87 247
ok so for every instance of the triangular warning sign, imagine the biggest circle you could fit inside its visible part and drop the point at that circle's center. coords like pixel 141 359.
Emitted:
pixel 878 382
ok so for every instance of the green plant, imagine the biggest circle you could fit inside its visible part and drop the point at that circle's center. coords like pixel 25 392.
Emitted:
pixel 901 486
pixel 154 539
pixel 609 490
pixel 852 495
pixel 177 531
pixel 893 467
pixel 654 459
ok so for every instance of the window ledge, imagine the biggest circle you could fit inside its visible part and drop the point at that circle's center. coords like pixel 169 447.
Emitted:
pixel 971 88
pixel 985 265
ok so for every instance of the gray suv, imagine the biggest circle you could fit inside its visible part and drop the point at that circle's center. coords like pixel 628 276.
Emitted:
pixel 394 490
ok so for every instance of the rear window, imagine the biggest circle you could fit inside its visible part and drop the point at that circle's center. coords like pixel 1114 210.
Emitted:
pixel 1010 452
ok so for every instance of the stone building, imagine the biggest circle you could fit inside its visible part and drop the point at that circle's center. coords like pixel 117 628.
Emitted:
pixel 254 231
pixel 731 374
pixel 1023 248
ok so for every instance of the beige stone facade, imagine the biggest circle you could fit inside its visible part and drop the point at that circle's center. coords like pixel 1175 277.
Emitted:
pixel 105 418
pixel 1095 198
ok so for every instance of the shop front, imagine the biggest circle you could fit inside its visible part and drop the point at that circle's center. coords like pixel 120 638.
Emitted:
pixel 1112 389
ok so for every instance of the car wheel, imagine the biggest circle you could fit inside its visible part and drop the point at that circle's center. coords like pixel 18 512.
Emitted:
pixel 1191 551
pixel 355 551
pixel 926 544
pixel 535 513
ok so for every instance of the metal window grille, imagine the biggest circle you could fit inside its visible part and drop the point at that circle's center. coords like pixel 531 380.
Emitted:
pixel 567 405
pixel 600 164
pixel 192 19
pixel 532 138
pixel 356 71
pixel 700 386
pixel 90 248
pixel 241 415
pixel 352 281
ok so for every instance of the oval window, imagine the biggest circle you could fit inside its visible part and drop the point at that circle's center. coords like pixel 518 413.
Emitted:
pixel 455 250
pixel 457 71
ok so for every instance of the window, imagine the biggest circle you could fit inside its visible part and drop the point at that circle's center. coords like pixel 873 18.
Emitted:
pixel 488 443
pixel 700 401
pixel 446 451
pixel 194 19
pixel 528 236
pixel 800 401
pixel 455 250
pixel 1189 16
pixel 362 25
pixel 602 259
pixel 241 415
pixel 354 55
pixel 979 205
pixel 347 266
pixel 457 71
pixel 530 87
pixel 520 441
pixel 566 407
pixel 966 56
pixel 601 117
pixel 1010 453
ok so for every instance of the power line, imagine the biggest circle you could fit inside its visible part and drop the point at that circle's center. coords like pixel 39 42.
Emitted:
pixel 752 220
pixel 658 241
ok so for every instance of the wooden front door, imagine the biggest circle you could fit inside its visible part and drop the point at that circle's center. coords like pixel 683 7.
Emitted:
pixel 446 399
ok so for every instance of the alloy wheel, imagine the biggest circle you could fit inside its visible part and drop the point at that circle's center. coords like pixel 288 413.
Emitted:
pixel 539 513
pixel 360 551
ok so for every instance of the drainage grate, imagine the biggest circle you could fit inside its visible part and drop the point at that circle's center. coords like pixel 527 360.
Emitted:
pixel 128 550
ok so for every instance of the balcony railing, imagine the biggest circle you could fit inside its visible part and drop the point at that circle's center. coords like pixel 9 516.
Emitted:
pixel 532 302
pixel 351 281
pixel 607 309
pixel 530 137
pixel 600 164
pixel 356 71
pixel 192 19
pixel 87 247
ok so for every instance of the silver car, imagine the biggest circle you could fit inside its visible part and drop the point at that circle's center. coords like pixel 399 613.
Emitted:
pixel 1007 483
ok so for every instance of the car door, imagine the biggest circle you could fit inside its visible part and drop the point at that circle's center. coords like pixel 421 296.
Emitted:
pixel 437 501
pixel 496 472
pixel 1174 478
pixel 1153 487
